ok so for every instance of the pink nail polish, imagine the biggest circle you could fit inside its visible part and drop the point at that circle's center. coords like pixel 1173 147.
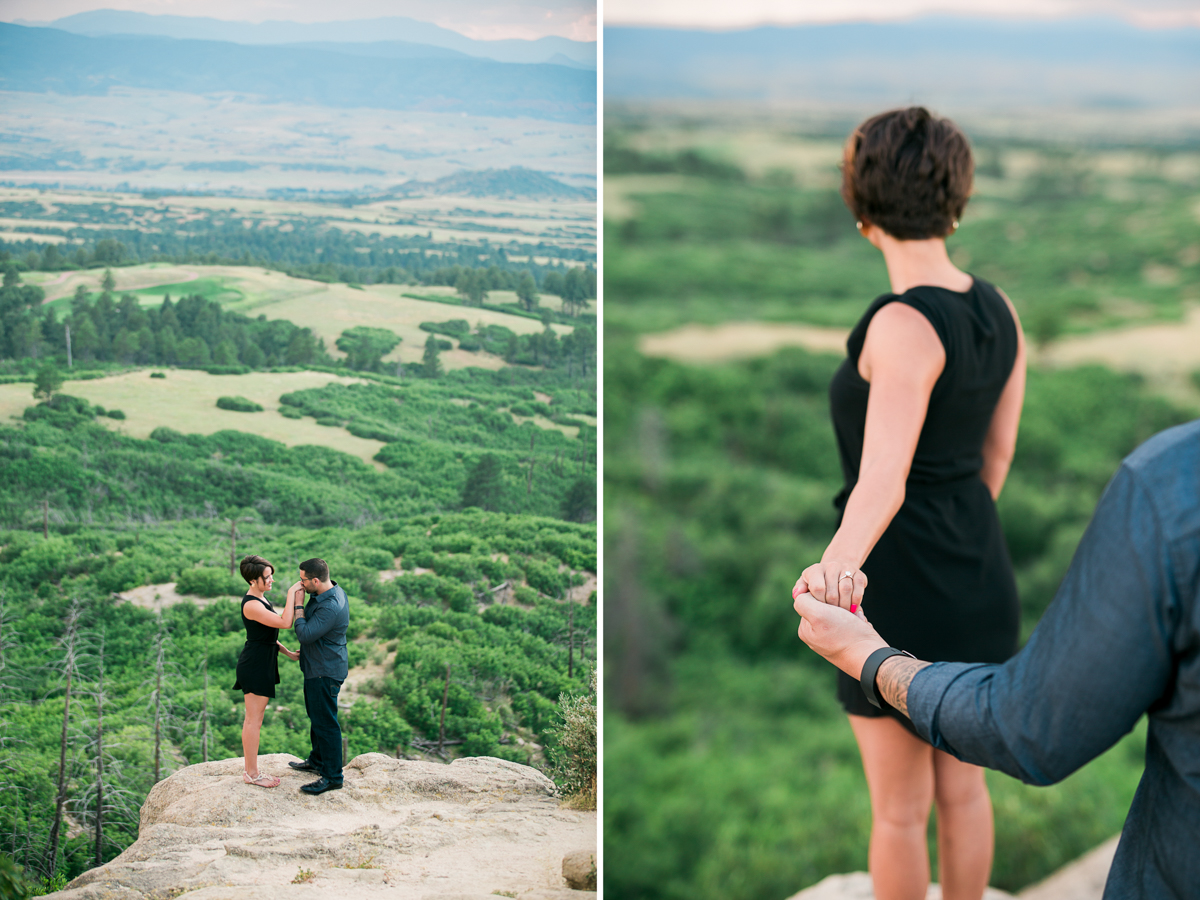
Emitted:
pixel 853 607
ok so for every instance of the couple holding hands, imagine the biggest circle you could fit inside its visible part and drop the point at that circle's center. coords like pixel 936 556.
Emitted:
pixel 925 411
pixel 320 627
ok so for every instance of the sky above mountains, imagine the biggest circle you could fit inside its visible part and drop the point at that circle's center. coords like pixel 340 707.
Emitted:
pixel 721 14
pixel 487 20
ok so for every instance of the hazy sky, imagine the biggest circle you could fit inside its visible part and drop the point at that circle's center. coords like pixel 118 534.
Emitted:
pixel 479 19
pixel 748 13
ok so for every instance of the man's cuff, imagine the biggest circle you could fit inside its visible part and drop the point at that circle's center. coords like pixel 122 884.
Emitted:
pixel 926 692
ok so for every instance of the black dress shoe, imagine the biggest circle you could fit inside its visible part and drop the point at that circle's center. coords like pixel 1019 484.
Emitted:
pixel 304 766
pixel 320 786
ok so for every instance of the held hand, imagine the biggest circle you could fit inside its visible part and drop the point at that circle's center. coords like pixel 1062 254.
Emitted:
pixel 294 589
pixel 290 654
pixel 836 582
pixel 845 639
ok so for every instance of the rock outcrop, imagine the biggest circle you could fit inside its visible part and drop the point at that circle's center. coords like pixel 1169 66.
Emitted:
pixel 472 830
pixel 1081 880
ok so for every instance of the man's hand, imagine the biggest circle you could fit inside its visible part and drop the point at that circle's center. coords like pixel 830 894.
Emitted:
pixel 844 638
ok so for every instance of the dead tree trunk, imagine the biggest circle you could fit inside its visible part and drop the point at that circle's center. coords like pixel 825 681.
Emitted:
pixel 100 763
pixel 158 680
pixel 233 546
pixel 445 699
pixel 570 638
pixel 204 710
pixel 70 645
pixel 46 519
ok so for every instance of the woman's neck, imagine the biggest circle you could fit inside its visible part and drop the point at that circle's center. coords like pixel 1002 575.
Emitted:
pixel 914 263
pixel 255 592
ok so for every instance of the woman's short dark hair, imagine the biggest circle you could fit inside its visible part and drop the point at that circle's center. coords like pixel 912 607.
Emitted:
pixel 315 568
pixel 908 172
pixel 254 568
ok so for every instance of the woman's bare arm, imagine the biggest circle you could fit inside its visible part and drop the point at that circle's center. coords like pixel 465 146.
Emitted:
pixel 1001 440
pixel 902 358
pixel 258 612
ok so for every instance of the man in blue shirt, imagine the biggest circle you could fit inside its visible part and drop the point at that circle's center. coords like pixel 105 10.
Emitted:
pixel 1121 638
pixel 321 630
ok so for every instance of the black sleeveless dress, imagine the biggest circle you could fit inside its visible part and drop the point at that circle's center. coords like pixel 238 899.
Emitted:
pixel 940 583
pixel 258 664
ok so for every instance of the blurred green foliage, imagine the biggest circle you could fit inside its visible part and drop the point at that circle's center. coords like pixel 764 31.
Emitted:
pixel 730 770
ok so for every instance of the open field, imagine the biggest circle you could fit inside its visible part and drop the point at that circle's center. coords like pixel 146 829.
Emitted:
pixel 566 224
pixel 163 140
pixel 186 400
pixel 328 309
pixel 1163 353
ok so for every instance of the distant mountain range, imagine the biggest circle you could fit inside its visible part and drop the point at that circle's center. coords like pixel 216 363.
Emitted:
pixel 110 22
pixel 512 183
pixel 941 61
pixel 386 76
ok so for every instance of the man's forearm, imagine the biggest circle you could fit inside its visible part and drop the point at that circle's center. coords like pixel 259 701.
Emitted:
pixel 893 679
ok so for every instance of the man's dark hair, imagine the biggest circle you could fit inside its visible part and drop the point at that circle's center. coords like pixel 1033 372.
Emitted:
pixel 908 172
pixel 315 568
pixel 254 568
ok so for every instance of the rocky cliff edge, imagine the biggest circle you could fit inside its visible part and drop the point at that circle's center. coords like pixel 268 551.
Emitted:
pixel 472 830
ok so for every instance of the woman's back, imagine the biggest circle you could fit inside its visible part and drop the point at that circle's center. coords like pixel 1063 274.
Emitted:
pixel 979 336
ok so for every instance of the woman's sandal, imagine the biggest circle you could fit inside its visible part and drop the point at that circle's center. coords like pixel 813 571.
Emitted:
pixel 263 780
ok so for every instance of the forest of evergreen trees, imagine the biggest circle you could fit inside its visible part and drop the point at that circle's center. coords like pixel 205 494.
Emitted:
pixel 310 248
pixel 195 332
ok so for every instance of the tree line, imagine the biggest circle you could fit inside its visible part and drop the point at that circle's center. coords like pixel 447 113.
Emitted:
pixel 310 249
pixel 192 331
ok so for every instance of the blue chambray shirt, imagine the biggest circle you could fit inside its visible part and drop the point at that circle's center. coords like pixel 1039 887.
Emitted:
pixel 1121 638
pixel 322 635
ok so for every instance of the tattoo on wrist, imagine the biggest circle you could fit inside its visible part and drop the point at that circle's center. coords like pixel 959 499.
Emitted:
pixel 893 679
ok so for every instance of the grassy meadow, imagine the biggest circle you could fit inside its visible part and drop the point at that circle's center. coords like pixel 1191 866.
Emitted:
pixel 186 400
pixel 732 271
pixel 324 308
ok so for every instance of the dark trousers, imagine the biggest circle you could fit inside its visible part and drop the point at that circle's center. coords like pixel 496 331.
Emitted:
pixel 320 702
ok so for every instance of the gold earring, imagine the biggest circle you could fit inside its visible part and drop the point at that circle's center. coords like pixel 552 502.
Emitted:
pixel 858 225
pixel 954 226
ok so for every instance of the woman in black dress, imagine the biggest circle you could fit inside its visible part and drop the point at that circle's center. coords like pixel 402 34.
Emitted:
pixel 925 411
pixel 258 664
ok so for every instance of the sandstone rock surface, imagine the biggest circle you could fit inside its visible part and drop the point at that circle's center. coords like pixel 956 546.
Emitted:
pixel 1081 880
pixel 473 830
pixel 579 870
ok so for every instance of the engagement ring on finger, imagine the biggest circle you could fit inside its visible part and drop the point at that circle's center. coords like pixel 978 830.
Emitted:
pixel 847 574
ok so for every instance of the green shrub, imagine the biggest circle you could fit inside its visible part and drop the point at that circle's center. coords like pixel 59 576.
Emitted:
pixel 206 581
pixel 158 374
pixel 290 412
pixel 238 404
pixel 115 414
pixel 329 421
pixel 575 755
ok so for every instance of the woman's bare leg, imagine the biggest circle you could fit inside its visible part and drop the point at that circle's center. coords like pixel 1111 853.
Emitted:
pixel 899 769
pixel 964 828
pixel 256 706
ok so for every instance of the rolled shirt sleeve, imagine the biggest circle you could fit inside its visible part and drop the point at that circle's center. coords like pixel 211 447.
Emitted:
pixel 1100 657
pixel 320 623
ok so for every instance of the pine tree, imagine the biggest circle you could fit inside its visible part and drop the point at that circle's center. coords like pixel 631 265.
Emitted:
pixel 431 365
pixel 484 484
